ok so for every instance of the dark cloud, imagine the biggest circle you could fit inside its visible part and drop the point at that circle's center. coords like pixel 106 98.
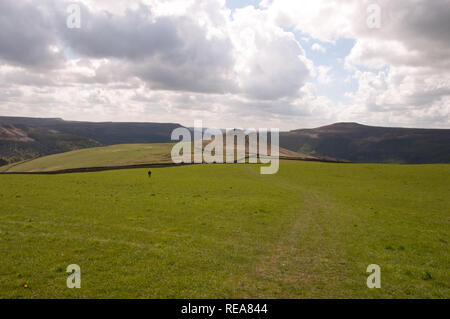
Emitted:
pixel 421 27
pixel 27 35
pixel 169 53
pixel 133 36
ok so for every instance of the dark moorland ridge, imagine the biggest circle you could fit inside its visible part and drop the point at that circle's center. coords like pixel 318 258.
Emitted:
pixel 24 138
pixel 368 144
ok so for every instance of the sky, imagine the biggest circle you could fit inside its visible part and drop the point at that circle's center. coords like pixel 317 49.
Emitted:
pixel 230 63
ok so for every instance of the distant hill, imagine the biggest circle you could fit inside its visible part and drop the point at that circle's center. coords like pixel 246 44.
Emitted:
pixel 19 142
pixel 367 144
pixel 24 138
pixel 107 133
pixel 283 153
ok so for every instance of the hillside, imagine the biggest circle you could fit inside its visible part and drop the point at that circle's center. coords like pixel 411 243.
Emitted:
pixel 283 152
pixel 112 156
pixel 25 138
pixel 107 156
pixel 107 133
pixel 359 143
pixel 20 142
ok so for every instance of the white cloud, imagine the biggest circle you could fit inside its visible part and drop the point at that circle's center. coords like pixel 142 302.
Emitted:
pixel 270 63
pixel 325 20
pixel 169 49
pixel 175 60
pixel 318 47
pixel 408 55
pixel 323 77
pixel 403 96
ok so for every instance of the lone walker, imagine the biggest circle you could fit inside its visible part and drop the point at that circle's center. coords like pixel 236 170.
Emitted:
pixel 149 174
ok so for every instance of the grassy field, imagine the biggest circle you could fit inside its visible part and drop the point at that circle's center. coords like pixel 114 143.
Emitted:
pixel 115 155
pixel 225 231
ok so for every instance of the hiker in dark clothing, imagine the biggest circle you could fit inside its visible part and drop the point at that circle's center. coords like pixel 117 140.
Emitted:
pixel 149 174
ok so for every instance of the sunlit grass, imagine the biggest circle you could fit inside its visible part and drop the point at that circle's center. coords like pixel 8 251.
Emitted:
pixel 225 231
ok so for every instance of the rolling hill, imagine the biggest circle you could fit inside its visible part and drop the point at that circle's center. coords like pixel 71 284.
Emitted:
pixel 112 156
pixel 367 144
pixel 106 156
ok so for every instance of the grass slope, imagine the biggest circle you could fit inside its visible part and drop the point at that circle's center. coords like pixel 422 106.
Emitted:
pixel 116 155
pixel 226 231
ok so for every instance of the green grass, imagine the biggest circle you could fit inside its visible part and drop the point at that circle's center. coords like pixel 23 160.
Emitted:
pixel 225 231
pixel 116 155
